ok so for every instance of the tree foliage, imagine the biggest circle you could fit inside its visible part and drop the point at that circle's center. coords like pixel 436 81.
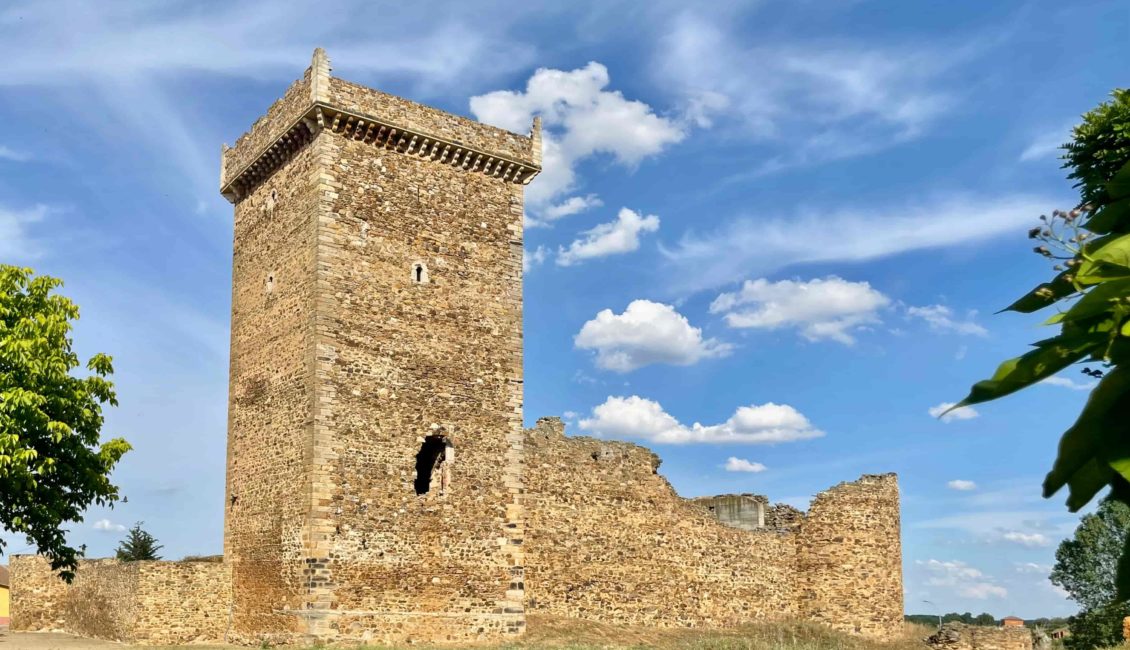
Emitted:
pixel 1085 564
pixel 138 545
pixel 1090 247
pixel 52 463
pixel 1097 628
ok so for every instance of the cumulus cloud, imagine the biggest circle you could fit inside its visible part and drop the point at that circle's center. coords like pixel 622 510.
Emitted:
pixel 612 238
pixel 941 319
pixel 963 413
pixel 961 578
pixel 640 418
pixel 572 205
pixel 1031 540
pixel 533 258
pixel 735 464
pixel 646 333
pixel 961 485
pixel 769 240
pixel 1066 382
pixel 1032 568
pixel 108 526
pixel 828 308
pixel 580 118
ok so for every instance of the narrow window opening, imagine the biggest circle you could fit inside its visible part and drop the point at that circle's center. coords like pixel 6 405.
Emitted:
pixel 430 464
pixel 270 283
pixel 419 273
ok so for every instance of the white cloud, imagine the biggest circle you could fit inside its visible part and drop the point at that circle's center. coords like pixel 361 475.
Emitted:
pixel 764 242
pixel 612 238
pixel 963 413
pixel 15 239
pixel 1046 144
pixel 568 207
pixel 1031 540
pixel 533 258
pixel 12 155
pixel 828 308
pixel 646 333
pixel 1066 382
pixel 580 118
pixel 735 464
pixel 108 526
pixel 820 101
pixel 961 578
pixel 1032 567
pixel 940 318
pixel 636 417
pixel 961 485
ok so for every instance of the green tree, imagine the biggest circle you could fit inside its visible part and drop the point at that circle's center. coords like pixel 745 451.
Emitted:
pixel 138 545
pixel 986 619
pixel 1085 564
pixel 1090 247
pixel 1097 628
pixel 52 464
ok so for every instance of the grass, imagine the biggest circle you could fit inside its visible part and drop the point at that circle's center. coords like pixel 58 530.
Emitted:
pixel 551 633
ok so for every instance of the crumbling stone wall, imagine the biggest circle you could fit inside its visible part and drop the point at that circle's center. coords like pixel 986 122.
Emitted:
pixel 849 556
pixel 151 603
pixel 958 636
pixel 608 539
pixel 745 511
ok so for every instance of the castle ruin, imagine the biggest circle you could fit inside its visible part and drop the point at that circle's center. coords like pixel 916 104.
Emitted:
pixel 380 486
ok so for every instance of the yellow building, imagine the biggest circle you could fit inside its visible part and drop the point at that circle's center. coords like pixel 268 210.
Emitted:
pixel 3 595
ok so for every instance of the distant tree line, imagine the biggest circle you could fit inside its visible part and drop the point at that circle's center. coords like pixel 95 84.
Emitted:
pixel 968 618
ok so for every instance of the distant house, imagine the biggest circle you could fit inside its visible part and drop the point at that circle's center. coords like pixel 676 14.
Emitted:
pixel 4 586
pixel 1012 621
pixel 1061 633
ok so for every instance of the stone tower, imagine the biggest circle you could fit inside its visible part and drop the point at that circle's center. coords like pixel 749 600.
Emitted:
pixel 374 464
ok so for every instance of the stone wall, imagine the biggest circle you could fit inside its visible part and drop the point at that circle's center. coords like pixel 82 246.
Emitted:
pixel 850 557
pixel 134 602
pixel 958 636
pixel 745 511
pixel 608 539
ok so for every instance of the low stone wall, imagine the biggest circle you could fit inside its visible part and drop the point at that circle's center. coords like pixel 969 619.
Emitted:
pixel 151 603
pixel 958 636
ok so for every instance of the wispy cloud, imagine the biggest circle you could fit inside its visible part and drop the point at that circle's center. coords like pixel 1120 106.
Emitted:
pixel 16 241
pixel 962 579
pixel 941 319
pixel 1046 144
pixel 961 485
pixel 821 100
pixel 766 242
pixel 12 155
pixel 1067 382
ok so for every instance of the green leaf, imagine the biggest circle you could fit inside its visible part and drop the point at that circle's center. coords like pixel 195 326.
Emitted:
pixel 1012 375
pixel 1113 217
pixel 1119 186
pixel 1098 300
pixel 1045 294
pixel 1081 446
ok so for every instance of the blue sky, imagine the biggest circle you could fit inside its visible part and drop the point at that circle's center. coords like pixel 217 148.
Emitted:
pixel 770 236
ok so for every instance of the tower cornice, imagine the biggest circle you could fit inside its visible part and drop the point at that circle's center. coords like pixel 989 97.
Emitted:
pixel 379 132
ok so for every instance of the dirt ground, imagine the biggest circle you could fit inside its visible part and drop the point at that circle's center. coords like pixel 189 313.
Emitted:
pixel 52 641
